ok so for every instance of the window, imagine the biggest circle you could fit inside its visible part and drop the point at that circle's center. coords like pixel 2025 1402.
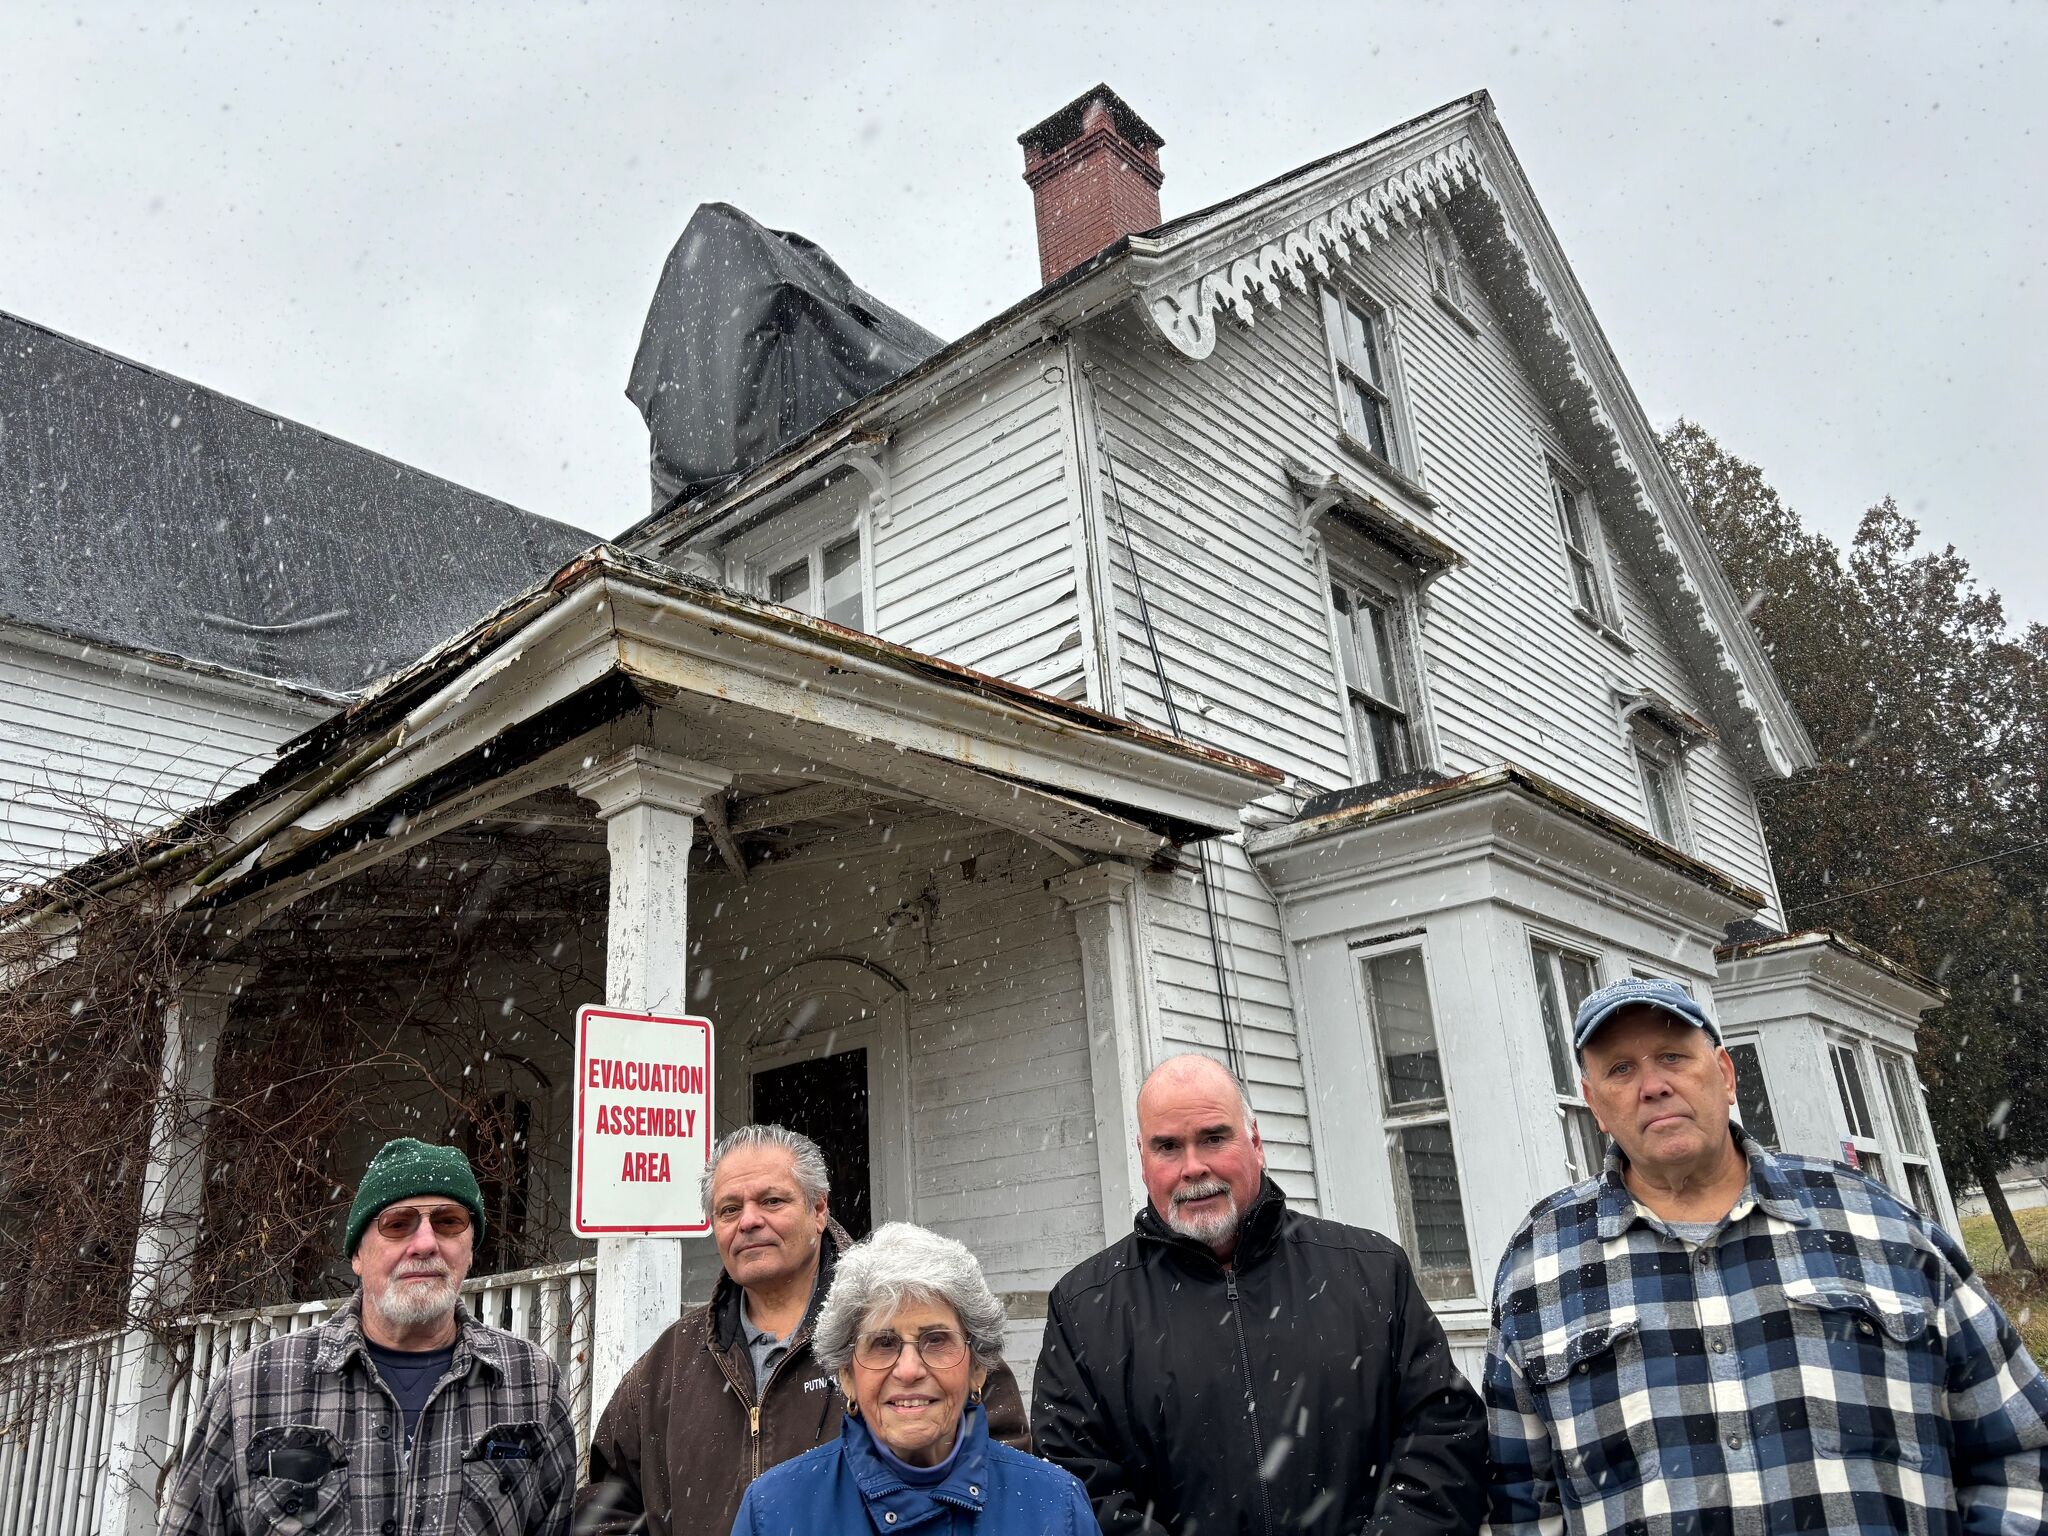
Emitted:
pixel 1849 1083
pixel 1579 521
pixel 1369 650
pixel 1661 768
pixel 1446 277
pixel 1920 1184
pixel 1418 1121
pixel 1752 1097
pixel 1902 1097
pixel 1563 981
pixel 823 581
pixel 1847 1057
pixel 1356 333
pixel 1904 1102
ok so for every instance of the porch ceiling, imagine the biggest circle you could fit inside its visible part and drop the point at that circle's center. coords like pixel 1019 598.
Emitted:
pixel 813 722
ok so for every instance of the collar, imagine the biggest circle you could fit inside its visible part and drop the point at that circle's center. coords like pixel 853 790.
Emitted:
pixel 341 1340
pixel 1257 1233
pixel 1770 1186
pixel 895 1506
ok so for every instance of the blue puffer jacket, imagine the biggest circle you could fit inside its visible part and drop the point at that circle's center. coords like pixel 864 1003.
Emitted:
pixel 848 1488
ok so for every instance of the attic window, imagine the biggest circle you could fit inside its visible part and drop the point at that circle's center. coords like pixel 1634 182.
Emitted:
pixel 1448 281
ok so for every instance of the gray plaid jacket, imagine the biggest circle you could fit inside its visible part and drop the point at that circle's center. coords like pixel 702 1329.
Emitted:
pixel 302 1435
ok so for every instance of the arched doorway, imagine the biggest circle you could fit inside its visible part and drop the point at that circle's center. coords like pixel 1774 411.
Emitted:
pixel 824 1053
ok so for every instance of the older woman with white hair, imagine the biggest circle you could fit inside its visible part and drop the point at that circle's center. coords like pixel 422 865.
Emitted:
pixel 911 1331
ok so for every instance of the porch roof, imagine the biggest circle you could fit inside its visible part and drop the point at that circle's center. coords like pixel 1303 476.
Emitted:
pixel 618 645
pixel 1369 805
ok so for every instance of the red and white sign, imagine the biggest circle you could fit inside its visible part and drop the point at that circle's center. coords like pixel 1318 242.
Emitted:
pixel 643 1123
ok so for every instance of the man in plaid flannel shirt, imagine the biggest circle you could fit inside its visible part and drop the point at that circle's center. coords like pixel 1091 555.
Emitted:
pixel 401 1415
pixel 1712 1338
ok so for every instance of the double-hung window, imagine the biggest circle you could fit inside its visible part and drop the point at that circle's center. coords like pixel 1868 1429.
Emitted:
pixel 1847 1058
pixel 1418 1121
pixel 1357 339
pixel 1578 521
pixel 1902 1097
pixel 822 579
pixel 1661 767
pixel 1370 651
pixel 1752 1094
pixel 1563 981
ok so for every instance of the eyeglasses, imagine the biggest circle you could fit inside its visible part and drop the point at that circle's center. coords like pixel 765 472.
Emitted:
pixel 399 1222
pixel 938 1348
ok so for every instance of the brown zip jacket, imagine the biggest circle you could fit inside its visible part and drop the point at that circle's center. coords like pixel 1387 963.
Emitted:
pixel 682 1437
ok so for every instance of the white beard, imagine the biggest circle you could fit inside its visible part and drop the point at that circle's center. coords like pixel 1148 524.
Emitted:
pixel 1208 1229
pixel 409 1303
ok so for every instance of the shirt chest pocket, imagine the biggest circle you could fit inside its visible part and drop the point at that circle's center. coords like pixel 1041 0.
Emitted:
pixel 1873 1369
pixel 297 1481
pixel 1593 1392
pixel 501 1481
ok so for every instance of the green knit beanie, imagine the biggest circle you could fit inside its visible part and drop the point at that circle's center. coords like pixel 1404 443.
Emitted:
pixel 404 1169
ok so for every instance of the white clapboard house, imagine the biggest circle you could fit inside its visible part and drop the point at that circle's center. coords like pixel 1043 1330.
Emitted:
pixel 187 582
pixel 1277 636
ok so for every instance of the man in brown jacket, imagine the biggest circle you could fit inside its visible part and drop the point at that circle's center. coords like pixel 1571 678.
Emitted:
pixel 730 1388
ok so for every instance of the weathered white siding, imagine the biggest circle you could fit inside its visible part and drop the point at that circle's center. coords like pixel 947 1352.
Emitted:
pixel 97 744
pixel 1236 604
pixel 976 561
pixel 1000 1121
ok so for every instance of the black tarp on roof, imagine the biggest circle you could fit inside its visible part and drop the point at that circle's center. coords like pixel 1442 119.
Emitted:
pixel 754 337
pixel 145 511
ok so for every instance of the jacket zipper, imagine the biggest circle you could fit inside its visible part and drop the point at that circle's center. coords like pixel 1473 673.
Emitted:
pixel 1251 1402
pixel 753 1408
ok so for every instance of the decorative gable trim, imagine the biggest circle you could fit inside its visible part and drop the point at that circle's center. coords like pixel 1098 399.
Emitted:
pixel 1185 311
pixel 1223 260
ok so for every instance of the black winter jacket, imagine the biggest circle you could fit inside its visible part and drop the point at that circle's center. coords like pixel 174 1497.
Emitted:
pixel 1305 1388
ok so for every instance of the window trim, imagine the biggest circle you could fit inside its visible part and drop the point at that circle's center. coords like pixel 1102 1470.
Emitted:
pixel 1353 570
pixel 1908 1159
pixel 1450 284
pixel 1566 487
pixel 1392 1123
pixel 752 560
pixel 1755 1043
pixel 1402 463
pixel 1867 1144
pixel 1653 749
pixel 1571 1099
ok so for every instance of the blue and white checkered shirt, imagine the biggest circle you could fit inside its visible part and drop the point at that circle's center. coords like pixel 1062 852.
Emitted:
pixel 1826 1361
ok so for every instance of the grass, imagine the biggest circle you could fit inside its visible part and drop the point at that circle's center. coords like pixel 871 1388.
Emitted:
pixel 2024 1297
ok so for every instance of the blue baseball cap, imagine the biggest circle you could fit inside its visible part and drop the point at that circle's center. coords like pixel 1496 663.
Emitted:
pixel 1635 992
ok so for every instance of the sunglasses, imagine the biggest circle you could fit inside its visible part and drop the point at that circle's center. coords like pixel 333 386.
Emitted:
pixel 400 1221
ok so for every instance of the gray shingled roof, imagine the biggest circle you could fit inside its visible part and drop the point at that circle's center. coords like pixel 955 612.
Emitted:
pixel 145 511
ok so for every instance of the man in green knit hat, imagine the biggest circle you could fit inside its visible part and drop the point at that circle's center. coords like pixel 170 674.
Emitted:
pixel 399 1413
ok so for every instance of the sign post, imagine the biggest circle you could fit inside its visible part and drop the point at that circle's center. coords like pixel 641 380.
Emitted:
pixel 643 1124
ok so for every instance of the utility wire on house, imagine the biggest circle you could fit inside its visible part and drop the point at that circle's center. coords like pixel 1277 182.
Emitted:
pixel 1927 874
pixel 1233 1031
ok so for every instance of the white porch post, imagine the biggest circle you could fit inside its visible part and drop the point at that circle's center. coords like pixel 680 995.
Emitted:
pixel 1114 982
pixel 172 1192
pixel 649 801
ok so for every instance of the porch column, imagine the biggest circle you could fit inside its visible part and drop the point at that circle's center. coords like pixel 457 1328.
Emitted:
pixel 1115 980
pixel 161 1277
pixel 649 801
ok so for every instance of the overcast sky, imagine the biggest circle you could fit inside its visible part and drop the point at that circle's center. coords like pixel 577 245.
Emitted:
pixel 1818 230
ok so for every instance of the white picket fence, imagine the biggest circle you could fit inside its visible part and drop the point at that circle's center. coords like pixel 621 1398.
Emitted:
pixel 56 1419
pixel 56 1409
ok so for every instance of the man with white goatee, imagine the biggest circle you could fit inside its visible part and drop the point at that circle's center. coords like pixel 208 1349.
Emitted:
pixel 400 1412
pixel 1235 1366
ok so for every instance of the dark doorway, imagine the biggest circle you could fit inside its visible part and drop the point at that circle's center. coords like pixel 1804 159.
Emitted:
pixel 827 1099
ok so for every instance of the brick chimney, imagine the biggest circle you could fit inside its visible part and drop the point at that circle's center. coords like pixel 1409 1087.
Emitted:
pixel 1093 170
